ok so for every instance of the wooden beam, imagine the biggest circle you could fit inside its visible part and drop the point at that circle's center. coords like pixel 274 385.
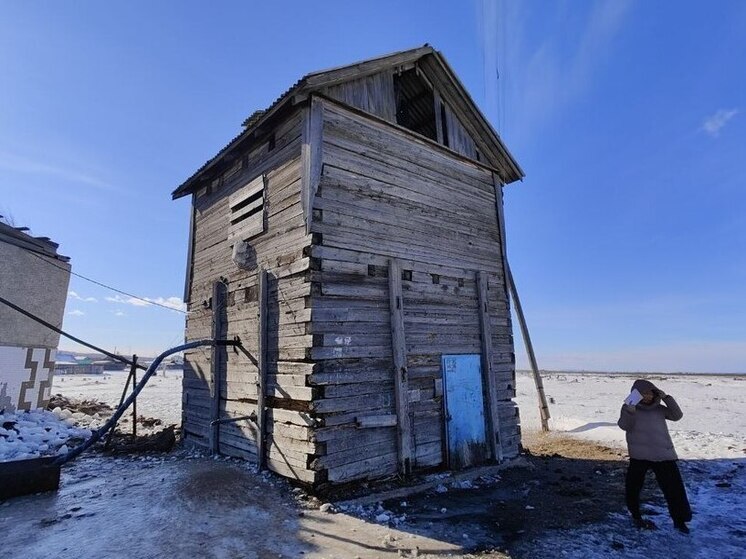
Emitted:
pixel 217 360
pixel 261 384
pixel 325 78
pixel 190 254
pixel 368 421
pixel 437 104
pixel 487 373
pixel 401 374
pixel 512 292
pixel 543 406
pixel 311 148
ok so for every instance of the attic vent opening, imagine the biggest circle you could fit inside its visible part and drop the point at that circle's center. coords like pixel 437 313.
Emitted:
pixel 415 104
pixel 247 216
pixel 256 201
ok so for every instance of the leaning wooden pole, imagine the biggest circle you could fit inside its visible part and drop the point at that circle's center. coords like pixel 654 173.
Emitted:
pixel 543 407
pixel 513 293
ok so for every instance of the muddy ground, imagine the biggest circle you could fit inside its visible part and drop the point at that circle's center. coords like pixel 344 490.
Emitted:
pixel 163 505
pixel 562 483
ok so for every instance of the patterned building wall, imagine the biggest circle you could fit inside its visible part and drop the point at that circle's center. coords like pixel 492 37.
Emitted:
pixel 25 377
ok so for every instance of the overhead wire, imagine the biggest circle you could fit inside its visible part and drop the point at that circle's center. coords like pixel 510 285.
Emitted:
pixel 60 331
pixel 144 300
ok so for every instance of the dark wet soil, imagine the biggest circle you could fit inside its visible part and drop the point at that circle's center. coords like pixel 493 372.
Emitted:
pixel 564 483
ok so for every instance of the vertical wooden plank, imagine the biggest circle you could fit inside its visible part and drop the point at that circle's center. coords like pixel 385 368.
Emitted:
pixel 311 157
pixel 498 185
pixel 438 118
pixel 401 381
pixel 262 366
pixel 217 360
pixel 489 378
pixel 190 254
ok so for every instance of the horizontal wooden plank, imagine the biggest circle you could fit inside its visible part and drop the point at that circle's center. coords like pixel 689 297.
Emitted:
pixel 372 467
pixel 371 421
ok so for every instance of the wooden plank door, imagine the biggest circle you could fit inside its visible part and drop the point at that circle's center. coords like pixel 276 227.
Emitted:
pixel 464 406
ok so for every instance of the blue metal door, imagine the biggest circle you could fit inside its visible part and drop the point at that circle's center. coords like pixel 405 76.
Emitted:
pixel 464 407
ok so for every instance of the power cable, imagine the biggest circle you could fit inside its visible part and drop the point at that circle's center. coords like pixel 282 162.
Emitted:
pixel 70 336
pixel 149 302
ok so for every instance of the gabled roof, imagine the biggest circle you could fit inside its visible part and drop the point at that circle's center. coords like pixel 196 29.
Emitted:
pixel 40 245
pixel 453 91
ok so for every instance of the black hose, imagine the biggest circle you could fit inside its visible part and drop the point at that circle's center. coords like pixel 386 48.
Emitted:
pixel 97 434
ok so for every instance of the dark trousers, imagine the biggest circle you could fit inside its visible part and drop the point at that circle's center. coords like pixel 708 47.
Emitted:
pixel 669 480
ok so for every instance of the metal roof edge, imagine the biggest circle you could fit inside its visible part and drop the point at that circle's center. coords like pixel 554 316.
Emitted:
pixel 40 245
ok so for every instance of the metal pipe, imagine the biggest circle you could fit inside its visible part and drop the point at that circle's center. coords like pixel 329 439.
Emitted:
pixel 251 418
pixel 96 435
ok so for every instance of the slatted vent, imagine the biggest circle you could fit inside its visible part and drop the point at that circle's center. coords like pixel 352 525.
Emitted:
pixel 247 210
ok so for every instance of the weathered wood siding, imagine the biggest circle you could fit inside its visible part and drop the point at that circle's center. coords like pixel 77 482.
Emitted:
pixel 282 250
pixel 384 193
pixel 373 94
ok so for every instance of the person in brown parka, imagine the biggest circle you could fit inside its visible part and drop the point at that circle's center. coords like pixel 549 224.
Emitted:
pixel 650 447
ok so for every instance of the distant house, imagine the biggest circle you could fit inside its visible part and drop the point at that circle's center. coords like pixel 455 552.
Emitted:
pixel 34 277
pixel 352 236
pixel 70 364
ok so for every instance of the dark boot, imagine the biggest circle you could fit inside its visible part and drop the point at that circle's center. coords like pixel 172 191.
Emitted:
pixel 681 526
pixel 644 524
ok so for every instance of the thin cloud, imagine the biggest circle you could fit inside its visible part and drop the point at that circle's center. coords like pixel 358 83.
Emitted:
pixel 539 79
pixel 76 312
pixel 174 303
pixel 25 165
pixel 128 301
pixel 713 124
pixel 74 295
pixel 119 313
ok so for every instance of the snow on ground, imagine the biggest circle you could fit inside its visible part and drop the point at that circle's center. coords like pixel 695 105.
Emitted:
pixel 161 397
pixel 587 406
pixel 37 433
pixel 711 444
pixel 44 433
pixel 156 497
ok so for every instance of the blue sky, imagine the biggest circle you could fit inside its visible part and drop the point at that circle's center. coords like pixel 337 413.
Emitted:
pixel 627 237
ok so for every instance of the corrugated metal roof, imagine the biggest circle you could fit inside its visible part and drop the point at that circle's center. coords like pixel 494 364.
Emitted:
pixel 17 236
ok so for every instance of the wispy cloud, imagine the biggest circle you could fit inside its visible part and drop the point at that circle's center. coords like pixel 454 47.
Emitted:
pixel 76 312
pixel 174 303
pixel 128 301
pixel 714 123
pixel 74 295
pixel 540 78
pixel 21 164
pixel 119 313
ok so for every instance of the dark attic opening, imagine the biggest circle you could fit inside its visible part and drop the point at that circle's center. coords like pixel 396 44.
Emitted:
pixel 415 104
